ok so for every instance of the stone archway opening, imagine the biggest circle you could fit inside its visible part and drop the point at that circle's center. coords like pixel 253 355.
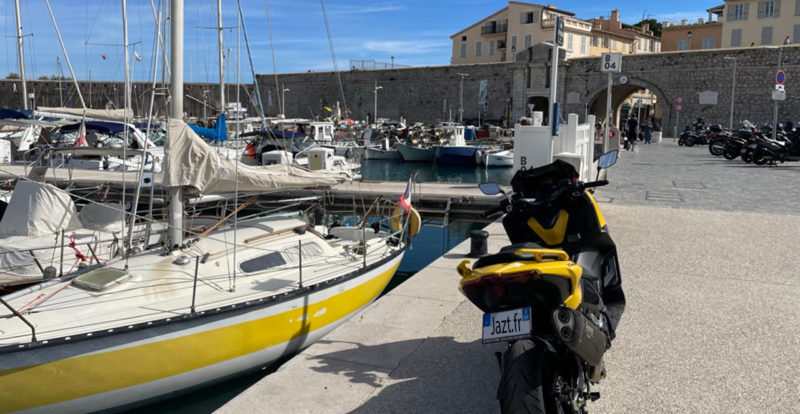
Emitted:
pixel 644 101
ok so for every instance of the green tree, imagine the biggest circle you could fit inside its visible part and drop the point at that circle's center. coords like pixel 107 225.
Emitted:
pixel 12 75
pixel 655 26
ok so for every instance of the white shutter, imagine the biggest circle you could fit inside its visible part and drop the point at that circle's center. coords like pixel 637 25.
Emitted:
pixel 777 9
pixel 762 9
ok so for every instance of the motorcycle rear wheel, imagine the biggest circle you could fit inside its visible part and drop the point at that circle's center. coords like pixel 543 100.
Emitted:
pixel 730 153
pixel 689 141
pixel 747 157
pixel 716 147
pixel 527 381
pixel 761 157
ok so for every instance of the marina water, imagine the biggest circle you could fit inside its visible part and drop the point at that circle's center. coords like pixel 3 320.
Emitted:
pixel 432 242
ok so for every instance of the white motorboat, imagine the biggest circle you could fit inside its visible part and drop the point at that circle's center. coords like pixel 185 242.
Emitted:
pixel 498 158
pixel 411 153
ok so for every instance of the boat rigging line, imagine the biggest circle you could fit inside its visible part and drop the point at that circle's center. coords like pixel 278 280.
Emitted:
pixel 333 55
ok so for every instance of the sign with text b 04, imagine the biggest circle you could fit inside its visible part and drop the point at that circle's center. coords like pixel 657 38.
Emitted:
pixel 611 62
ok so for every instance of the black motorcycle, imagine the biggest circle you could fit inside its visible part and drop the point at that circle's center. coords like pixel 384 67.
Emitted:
pixel 554 295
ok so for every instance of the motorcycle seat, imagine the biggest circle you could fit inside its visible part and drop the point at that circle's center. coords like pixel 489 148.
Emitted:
pixel 506 255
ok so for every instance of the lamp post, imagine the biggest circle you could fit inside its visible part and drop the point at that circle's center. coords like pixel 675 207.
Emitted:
pixel 733 89
pixel 461 98
pixel 375 109
pixel 689 37
pixel 283 100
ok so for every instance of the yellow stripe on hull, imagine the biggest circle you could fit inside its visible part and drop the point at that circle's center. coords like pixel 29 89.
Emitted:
pixel 69 379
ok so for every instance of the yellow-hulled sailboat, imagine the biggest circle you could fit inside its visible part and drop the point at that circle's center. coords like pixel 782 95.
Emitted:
pixel 228 301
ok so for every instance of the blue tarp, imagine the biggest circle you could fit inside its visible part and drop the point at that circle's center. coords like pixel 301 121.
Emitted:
pixel 469 134
pixel 13 114
pixel 218 133
pixel 109 128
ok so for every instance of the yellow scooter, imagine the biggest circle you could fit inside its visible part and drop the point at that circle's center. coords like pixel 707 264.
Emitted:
pixel 554 295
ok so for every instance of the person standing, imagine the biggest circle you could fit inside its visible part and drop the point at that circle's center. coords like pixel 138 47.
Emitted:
pixel 647 132
pixel 787 41
pixel 632 127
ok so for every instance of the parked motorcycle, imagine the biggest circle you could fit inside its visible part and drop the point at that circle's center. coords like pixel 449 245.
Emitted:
pixel 554 295
pixel 773 151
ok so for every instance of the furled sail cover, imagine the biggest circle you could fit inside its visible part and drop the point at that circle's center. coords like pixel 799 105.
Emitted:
pixel 193 163
pixel 117 115
pixel 38 209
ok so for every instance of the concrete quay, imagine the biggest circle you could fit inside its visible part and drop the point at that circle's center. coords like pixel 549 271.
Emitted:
pixel 711 325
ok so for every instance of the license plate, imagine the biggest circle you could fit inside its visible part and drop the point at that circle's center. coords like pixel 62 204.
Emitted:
pixel 753 146
pixel 744 150
pixel 507 325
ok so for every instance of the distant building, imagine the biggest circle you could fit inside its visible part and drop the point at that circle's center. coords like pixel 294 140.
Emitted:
pixel 612 36
pixel 703 34
pixel 518 26
pixel 760 23
pixel 514 28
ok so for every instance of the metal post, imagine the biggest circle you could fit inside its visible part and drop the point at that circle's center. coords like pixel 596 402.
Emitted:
pixel 608 113
pixel 775 102
pixel 553 77
pixel 733 90
pixel 194 286
pixel 300 255
pixel 61 262
pixel 375 109
pixel 175 214
pixel 461 98
pixel 21 54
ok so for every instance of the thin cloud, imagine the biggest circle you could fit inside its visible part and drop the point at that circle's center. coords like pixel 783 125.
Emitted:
pixel 405 46
pixel 675 17
pixel 364 10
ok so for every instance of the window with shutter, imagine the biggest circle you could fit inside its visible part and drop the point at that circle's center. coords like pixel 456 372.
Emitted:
pixel 797 7
pixel 491 48
pixel 766 35
pixel 736 37
pixel 478 49
pixel 796 34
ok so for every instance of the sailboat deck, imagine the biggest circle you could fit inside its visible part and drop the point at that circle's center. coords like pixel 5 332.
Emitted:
pixel 160 288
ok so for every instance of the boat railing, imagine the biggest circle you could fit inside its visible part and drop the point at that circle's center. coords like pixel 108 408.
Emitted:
pixel 22 318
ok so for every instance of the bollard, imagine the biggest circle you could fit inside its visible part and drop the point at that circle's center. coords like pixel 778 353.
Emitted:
pixel 478 244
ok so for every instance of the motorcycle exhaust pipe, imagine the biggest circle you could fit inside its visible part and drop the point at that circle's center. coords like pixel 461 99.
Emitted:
pixel 580 334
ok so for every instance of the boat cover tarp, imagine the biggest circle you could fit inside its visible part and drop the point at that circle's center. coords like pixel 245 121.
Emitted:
pixel 12 114
pixel 98 114
pixel 38 209
pixel 191 162
pixel 218 133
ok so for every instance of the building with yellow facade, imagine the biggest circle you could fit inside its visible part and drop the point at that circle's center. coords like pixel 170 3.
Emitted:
pixel 518 26
pixel 760 23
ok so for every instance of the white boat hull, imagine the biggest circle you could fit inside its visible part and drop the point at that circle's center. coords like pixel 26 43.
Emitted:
pixel 130 364
pixel 503 159
pixel 415 154
pixel 379 154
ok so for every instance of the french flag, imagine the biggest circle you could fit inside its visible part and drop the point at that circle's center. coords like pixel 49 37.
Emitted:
pixel 405 199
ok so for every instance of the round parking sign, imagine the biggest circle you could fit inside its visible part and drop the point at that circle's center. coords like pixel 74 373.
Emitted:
pixel 678 107
pixel 780 77
pixel 679 100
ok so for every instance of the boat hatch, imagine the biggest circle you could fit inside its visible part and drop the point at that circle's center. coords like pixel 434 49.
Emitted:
pixel 101 279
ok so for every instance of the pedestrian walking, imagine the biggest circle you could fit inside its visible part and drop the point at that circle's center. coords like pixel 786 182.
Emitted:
pixel 632 127
pixel 647 132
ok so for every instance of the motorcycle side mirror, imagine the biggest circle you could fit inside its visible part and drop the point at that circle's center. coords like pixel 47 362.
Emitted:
pixel 490 188
pixel 607 160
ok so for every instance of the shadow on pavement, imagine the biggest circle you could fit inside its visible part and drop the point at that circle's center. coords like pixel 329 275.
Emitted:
pixel 441 375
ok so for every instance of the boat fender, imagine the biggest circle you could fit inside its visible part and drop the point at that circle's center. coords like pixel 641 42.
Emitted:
pixel 414 224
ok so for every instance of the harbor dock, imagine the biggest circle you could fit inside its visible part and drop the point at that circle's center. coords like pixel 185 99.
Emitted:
pixel 443 202
pixel 709 324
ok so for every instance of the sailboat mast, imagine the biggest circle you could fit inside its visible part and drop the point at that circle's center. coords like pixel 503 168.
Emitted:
pixel 127 58
pixel 24 89
pixel 221 62
pixel 175 214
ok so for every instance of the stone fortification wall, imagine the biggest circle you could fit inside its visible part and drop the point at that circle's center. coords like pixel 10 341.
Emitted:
pixel 431 94
pixel 425 94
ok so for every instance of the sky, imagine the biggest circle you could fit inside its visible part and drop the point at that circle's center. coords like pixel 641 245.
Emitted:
pixel 414 32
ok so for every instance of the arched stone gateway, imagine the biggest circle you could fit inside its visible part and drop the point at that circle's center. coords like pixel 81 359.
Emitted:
pixel 703 79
